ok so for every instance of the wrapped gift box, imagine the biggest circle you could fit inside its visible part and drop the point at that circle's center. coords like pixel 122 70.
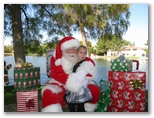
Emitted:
pixel 127 91
pixel 26 78
pixel 121 65
pixel 27 101
pixel 104 100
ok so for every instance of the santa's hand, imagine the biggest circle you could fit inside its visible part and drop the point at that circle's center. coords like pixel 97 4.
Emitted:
pixel 75 81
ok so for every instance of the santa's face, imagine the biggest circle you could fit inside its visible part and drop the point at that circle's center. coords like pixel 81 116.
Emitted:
pixel 70 54
pixel 69 59
pixel 72 50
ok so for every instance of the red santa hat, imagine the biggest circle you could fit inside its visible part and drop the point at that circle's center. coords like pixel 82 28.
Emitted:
pixel 65 43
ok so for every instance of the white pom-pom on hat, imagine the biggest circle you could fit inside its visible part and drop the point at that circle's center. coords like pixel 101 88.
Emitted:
pixel 58 62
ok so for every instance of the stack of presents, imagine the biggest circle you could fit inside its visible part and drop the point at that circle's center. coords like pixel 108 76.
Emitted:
pixel 26 84
pixel 126 90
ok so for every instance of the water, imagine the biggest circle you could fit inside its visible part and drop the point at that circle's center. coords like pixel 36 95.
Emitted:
pixel 37 61
pixel 102 65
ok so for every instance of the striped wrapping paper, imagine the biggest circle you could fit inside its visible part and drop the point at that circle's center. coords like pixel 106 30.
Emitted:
pixel 27 101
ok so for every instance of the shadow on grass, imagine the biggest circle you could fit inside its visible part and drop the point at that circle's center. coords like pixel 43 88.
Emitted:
pixel 10 95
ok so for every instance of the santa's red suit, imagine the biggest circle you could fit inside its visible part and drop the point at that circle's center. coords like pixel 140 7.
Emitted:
pixel 62 79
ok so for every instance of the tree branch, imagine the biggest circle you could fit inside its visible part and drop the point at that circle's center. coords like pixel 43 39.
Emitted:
pixel 25 16
pixel 45 9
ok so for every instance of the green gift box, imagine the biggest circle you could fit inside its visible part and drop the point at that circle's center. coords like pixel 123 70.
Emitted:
pixel 26 78
pixel 123 65
pixel 104 99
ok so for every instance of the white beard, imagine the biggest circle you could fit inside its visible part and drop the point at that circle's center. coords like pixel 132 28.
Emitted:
pixel 68 62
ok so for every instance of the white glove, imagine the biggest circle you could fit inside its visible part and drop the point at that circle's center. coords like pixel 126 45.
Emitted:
pixel 75 81
pixel 80 77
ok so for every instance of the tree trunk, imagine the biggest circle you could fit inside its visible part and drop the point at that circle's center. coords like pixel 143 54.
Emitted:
pixel 18 46
pixel 84 40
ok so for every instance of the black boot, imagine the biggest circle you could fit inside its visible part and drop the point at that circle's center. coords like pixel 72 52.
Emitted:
pixel 71 107
pixel 80 107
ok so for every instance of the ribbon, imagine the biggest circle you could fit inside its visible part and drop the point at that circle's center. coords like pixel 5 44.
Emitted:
pixel 121 57
pixel 26 64
pixel 136 84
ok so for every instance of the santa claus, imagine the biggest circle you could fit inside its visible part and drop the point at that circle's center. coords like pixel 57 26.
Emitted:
pixel 62 78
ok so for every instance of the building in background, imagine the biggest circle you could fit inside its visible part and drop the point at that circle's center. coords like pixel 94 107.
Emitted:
pixel 129 51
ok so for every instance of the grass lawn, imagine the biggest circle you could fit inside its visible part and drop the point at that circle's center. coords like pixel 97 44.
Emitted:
pixel 10 95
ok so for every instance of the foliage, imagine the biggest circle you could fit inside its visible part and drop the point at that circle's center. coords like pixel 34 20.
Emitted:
pixel 36 19
pixel 10 95
pixel 8 49
pixel 28 24
pixel 9 92
pixel 91 49
pixel 59 20
pixel 147 51
pixel 102 46
pixel 112 43
pixel 94 20
pixel 35 47
pixel 97 19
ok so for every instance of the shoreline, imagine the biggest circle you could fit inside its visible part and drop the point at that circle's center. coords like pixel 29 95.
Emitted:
pixel 113 57
pixel 93 57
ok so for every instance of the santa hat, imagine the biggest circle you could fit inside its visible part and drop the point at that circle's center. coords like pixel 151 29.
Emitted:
pixel 65 43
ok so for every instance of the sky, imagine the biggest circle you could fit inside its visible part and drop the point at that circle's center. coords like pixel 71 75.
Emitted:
pixel 137 31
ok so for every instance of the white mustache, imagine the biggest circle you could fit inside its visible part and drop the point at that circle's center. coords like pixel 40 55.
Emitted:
pixel 72 55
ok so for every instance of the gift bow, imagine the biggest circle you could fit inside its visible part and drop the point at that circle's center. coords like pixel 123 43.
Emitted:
pixel 136 84
pixel 26 64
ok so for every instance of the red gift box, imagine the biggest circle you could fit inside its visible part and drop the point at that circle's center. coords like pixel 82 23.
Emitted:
pixel 127 91
pixel 27 101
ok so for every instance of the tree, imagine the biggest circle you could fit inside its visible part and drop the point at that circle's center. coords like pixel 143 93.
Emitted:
pixel 18 47
pixel 102 46
pixel 27 22
pixel 93 20
pixel 112 43
pixel 47 45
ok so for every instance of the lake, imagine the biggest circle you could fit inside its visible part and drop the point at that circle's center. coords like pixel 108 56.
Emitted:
pixel 102 65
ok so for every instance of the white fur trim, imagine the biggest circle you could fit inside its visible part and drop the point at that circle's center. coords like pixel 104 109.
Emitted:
pixel 71 84
pixel 67 65
pixel 69 44
pixel 91 82
pixel 90 107
pixel 52 80
pixel 89 68
pixel 58 62
pixel 53 88
pixel 52 108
